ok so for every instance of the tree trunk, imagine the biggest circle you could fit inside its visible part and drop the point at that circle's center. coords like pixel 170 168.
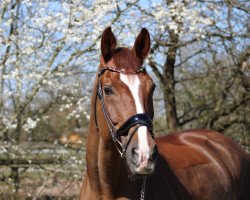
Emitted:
pixel 169 84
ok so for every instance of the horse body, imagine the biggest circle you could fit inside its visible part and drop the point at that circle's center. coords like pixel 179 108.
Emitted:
pixel 208 164
pixel 121 150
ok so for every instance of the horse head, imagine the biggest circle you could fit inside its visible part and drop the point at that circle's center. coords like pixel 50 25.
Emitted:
pixel 125 91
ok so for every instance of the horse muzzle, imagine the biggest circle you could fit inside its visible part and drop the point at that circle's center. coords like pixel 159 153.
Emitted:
pixel 142 154
pixel 144 164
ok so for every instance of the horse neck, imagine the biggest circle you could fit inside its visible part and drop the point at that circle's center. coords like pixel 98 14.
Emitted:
pixel 106 170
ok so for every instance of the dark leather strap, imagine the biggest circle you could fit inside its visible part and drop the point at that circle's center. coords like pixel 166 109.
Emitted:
pixel 141 119
pixel 110 124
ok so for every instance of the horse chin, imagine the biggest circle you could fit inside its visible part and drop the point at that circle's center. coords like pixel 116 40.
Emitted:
pixel 144 171
pixel 141 170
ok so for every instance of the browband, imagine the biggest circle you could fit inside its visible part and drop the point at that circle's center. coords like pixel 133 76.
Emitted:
pixel 103 69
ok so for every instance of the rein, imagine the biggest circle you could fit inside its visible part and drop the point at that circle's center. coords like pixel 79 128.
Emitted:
pixel 136 120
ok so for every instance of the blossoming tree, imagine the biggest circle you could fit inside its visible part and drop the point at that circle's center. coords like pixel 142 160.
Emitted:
pixel 47 47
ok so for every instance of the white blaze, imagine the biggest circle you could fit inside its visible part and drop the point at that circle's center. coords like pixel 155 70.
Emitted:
pixel 133 82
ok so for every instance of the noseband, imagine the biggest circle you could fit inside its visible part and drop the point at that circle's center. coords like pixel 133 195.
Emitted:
pixel 136 121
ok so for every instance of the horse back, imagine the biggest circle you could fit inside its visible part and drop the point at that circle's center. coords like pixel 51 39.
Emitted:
pixel 208 164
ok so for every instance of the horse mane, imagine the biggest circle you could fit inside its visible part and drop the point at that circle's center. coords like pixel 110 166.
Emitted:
pixel 124 59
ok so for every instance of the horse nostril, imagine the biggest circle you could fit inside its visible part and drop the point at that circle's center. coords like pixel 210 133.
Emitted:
pixel 135 155
pixel 134 151
pixel 154 154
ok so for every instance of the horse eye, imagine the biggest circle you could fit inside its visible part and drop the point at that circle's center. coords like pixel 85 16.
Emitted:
pixel 153 87
pixel 108 90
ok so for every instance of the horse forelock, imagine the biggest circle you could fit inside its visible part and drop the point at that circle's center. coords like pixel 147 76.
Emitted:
pixel 125 60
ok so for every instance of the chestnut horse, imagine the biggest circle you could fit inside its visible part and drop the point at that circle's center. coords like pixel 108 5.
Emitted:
pixel 124 161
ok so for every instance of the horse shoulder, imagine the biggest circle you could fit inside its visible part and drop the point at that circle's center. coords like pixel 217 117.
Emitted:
pixel 177 154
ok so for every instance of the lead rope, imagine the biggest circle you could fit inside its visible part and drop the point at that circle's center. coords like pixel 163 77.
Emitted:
pixel 143 188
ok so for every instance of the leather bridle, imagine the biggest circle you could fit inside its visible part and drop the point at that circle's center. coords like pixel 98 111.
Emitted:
pixel 136 120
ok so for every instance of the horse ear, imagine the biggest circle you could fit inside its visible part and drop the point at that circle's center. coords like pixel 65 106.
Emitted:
pixel 108 43
pixel 142 44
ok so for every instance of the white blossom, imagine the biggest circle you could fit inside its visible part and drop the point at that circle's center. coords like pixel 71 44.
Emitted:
pixel 30 124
